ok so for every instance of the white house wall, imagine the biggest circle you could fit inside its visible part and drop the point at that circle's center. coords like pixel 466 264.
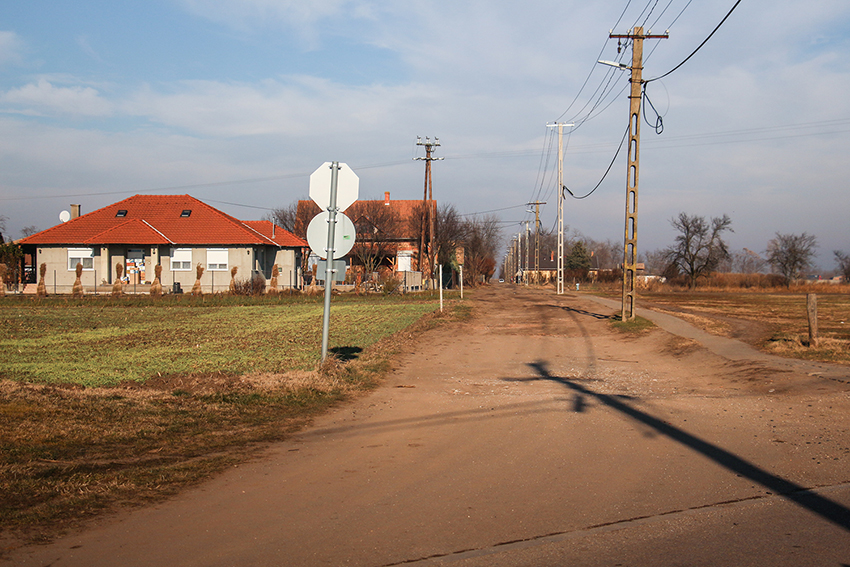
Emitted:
pixel 60 279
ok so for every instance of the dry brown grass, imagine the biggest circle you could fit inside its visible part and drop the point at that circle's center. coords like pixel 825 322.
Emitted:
pixel 775 320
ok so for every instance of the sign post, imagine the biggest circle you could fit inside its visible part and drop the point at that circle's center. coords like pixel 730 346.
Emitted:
pixel 334 186
pixel 332 209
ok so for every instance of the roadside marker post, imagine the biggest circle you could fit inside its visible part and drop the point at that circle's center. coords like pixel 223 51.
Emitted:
pixel 441 288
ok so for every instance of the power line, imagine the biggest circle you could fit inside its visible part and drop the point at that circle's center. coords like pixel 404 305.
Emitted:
pixel 699 46
pixel 607 171
pixel 492 211
pixel 593 68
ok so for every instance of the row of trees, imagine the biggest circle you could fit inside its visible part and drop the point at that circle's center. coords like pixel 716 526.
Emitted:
pixel 700 249
pixel 380 229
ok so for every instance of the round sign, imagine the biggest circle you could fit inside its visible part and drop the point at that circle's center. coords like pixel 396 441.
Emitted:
pixel 317 235
pixel 347 186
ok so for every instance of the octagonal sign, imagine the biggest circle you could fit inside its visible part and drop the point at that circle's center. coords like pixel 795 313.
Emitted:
pixel 347 186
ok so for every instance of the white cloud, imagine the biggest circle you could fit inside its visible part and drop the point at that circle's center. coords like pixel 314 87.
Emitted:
pixel 11 48
pixel 45 98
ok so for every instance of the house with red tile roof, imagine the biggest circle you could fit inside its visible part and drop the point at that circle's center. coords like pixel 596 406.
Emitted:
pixel 387 231
pixel 177 232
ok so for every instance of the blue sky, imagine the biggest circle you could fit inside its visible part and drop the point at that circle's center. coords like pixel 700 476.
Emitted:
pixel 237 102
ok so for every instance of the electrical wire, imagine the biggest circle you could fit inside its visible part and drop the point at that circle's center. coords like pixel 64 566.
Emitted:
pixel 592 69
pixel 607 171
pixel 659 122
pixel 492 211
pixel 699 46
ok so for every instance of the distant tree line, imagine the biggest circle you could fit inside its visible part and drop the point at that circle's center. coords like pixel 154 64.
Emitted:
pixel 380 228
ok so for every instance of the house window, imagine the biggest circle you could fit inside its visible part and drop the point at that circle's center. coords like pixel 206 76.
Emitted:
pixel 121 213
pixel 186 213
pixel 217 259
pixel 181 259
pixel 84 256
pixel 404 261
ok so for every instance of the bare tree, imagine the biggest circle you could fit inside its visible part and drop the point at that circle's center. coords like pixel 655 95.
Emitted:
pixel 699 247
pixel 654 261
pixel 3 220
pixel 609 254
pixel 284 217
pixel 483 238
pixel 378 228
pixel 843 264
pixel 449 229
pixel 29 230
pixel 790 254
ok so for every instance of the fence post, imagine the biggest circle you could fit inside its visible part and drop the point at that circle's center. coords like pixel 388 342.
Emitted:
pixel 812 313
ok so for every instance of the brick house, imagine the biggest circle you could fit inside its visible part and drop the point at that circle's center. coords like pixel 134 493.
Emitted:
pixel 388 229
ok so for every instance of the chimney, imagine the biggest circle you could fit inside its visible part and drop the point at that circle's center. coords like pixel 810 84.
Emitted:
pixel 387 198
pixel 75 211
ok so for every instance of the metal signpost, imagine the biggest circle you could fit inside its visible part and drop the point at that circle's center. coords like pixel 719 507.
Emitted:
pixel 334 187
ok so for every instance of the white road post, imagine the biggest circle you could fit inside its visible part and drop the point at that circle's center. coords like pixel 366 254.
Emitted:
pixel 441 288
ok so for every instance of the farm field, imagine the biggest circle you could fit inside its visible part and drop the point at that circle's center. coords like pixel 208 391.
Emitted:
pixel 774 321
pixel 118 401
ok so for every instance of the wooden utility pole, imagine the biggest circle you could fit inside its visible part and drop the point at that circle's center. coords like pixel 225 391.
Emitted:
pixel 428 207
pixel 633 172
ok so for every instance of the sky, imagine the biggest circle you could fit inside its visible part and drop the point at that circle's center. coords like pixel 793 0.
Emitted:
pixel 237 102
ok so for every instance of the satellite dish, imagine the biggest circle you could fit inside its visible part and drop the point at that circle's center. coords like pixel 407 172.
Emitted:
pixel 64 216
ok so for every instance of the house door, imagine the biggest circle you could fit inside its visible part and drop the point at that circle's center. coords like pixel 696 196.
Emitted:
pixel 135 268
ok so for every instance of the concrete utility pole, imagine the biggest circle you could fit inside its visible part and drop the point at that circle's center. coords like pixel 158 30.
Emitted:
pixel 560 274
pixel 537 237
pixel 630 242
pixel 525 271
pixel 428 202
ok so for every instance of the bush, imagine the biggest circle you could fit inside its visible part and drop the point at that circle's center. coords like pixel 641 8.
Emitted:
pixel 254 286
pixel 391 285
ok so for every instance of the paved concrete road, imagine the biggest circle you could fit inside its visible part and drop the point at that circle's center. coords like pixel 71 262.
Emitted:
pixel 530 435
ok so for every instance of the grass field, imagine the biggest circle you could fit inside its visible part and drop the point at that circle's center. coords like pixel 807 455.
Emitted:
pixel 108 402
pixel 105 342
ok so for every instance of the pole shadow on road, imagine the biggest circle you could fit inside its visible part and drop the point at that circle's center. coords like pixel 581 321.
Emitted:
pixel 823 507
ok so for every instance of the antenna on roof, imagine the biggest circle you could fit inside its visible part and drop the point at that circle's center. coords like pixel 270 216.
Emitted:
pixel 64 216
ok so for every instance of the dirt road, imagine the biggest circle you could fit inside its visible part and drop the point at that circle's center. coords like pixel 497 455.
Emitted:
pixel 532 434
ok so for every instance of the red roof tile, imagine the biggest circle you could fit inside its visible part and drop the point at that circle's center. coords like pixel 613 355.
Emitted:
pixel 157 219
pixel 280 236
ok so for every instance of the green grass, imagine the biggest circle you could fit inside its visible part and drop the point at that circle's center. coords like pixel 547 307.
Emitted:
pixel 636 325
pixel 99 342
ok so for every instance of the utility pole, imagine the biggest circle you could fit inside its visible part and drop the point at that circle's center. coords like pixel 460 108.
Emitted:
pixel 630 241
pixel 560 274
pixel 428 202
pixel 525 271
pixel 537 237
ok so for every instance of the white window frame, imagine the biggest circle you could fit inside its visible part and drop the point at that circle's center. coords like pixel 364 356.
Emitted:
pixel 181 259
pixel 404 261
pixel 81 256
pixel 217 259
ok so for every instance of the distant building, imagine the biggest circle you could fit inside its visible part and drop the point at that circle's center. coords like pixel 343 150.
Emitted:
pixel 388 231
